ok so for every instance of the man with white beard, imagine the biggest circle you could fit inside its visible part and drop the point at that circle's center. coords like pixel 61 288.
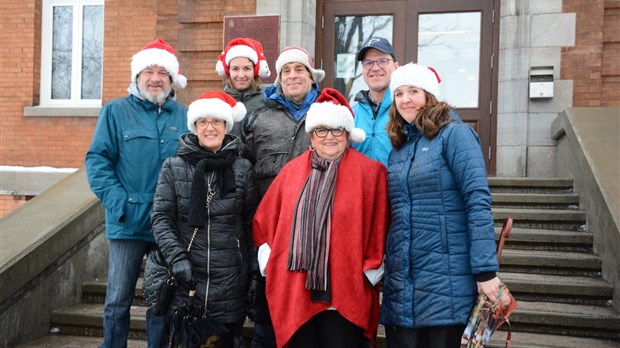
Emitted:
pixel 133 137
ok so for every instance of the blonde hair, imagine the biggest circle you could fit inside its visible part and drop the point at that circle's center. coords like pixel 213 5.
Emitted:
pixel 430 119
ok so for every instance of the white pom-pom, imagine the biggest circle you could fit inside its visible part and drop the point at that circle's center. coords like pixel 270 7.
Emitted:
pixel 263 71
pixel 238 112
pixel 357 135
pixel 181 81
pixel 219 68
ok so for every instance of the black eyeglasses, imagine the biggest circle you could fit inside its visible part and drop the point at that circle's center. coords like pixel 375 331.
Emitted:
pixel 322 132
pixel 382 63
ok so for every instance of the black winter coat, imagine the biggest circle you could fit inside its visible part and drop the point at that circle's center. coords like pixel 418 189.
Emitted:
pixel 222 254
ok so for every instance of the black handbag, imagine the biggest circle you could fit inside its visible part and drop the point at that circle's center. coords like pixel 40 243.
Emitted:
pixel 158 285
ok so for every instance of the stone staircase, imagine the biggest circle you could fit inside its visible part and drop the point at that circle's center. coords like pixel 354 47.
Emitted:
pixel 547 263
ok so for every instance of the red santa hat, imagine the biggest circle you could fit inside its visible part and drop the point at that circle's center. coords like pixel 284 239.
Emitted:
pixel 247 48
pixel 295 54
pixel 332 109
pixel 215 104
pixel 159 53
pixel 416 75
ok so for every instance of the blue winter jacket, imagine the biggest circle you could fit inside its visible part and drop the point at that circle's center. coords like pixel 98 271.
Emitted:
pixel 377 144
pixel 442 233
pixel 132 139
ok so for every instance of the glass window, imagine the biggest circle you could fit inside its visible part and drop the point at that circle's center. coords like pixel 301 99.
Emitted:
pixel 72 53
pixel 450 42
pixel 350 34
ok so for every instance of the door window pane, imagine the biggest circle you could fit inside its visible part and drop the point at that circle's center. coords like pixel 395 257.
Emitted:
pixel 92 49
pixel 62 51
pixel 350 34
pixel 450 42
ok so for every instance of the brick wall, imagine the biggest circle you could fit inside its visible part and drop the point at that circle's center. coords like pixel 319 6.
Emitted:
pixel 610 74
pixel 10 202
pixel 593 63
pixel 193 28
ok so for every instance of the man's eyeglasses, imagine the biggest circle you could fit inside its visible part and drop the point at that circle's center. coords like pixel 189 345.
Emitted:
pixel 322 132
pixel 382 63
pixel 216 122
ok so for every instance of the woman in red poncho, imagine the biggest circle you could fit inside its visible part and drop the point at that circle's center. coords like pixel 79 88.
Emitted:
pixel 321 229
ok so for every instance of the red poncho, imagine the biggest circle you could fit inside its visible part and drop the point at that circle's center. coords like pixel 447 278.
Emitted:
pixel 360 219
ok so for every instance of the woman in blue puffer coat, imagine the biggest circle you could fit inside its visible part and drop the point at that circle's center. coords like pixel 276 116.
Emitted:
pixel 441 245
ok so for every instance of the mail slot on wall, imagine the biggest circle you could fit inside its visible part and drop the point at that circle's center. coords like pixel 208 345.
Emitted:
pixel 541 82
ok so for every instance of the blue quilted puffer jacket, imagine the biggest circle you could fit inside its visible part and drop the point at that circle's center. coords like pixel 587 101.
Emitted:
pixel 442 233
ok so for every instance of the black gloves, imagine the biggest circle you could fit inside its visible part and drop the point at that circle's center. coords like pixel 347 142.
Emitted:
pixel 253 289
pixel 182 271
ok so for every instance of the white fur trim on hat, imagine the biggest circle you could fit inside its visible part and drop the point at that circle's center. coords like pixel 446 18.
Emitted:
pixel 215 108
pixel 241 51
pixel 157 57
pixel 334 116
pixel 297 55
pixel 417 76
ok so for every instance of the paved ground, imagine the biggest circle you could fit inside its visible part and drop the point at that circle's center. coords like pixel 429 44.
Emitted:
pixel 519 339
pixel 63 341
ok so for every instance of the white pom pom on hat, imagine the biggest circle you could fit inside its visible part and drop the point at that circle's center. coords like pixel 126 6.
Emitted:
pixel 416 75
pixel 332 109
pixel 218 105
pixel 158 53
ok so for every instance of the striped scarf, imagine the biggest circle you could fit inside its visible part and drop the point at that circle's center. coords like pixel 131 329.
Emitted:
pixel 310 233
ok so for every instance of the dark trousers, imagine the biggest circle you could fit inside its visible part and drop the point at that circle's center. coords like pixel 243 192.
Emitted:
pixel 328 329
pixel 426 337
pixel 264 337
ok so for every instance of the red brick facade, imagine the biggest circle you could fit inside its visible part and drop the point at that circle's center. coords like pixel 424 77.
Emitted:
pixel 193 28
pixel 593 63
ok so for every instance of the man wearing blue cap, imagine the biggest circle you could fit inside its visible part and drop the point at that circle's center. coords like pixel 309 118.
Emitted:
pixel 371 110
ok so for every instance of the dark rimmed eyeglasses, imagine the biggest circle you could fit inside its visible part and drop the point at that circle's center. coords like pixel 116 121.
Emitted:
pixel 381 62
pixel 322 132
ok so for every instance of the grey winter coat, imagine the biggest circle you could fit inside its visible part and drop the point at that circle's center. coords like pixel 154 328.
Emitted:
pixel 273 138
pixel 252 99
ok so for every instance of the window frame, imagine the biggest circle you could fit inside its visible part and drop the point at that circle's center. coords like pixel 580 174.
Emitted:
pixel 76 69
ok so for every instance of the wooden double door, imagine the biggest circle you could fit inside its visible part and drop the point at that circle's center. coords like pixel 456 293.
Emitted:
pixel 459 38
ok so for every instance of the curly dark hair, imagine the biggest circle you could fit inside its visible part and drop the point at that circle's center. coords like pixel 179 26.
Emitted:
pixel 430 119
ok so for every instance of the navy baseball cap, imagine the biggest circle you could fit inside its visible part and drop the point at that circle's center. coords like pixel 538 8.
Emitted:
pixel 377 43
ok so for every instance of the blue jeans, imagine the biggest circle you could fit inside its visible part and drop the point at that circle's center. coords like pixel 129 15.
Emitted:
pixel 123 271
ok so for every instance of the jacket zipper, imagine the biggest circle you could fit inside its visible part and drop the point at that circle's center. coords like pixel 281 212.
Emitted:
pixel 210 194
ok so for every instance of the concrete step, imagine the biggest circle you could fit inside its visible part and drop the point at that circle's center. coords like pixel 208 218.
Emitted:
pixel 535 200
pixel 554 219
pixel 537 317
pixel 74 341
pixel 551 240
pixel 519 340
pixel 94 291
pixel 546 262
pixel 534 185
pixel 561 289
pixel 86 319
pixel 566 319
pixel 535 340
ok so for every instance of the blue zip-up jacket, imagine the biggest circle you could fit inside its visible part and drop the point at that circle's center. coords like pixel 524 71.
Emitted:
pixel 442 233
pixel 132 139
pixel 377 144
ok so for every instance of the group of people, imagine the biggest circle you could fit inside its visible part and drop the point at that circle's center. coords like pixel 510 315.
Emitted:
pixel 289 206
